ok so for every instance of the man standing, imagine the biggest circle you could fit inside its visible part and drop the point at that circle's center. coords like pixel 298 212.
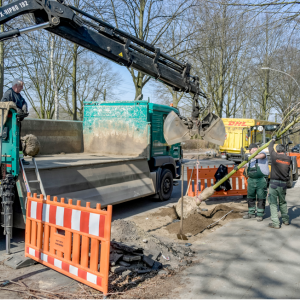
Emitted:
pixel 280 173
pixel 258 171
pixel 13 95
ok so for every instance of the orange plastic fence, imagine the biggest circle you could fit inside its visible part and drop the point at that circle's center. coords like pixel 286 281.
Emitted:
pixel 206 179
pixel 70 239
pixel 297 157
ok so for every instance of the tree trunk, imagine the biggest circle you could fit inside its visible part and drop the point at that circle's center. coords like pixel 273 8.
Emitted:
pixel 74 81
pixel 139 78
pixel 265 96
pixel 56 104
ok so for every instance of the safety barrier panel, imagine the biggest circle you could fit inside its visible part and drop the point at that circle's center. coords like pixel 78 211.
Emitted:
pixel 70 239
pixel 297 157
pixel 206 179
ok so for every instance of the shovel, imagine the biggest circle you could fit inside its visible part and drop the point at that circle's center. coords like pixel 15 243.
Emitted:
pixel 180 235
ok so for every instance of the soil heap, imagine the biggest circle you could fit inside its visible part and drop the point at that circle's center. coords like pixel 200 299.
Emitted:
pixel 200 220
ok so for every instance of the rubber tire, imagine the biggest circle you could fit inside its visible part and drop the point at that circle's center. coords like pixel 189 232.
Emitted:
pixel 289 184
pixel 296 175
pixel 166 178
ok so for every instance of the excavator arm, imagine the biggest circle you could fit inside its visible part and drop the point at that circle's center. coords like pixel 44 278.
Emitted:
pixel 102 38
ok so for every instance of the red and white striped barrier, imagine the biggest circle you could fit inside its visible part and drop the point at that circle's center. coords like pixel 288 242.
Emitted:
pixel 82 246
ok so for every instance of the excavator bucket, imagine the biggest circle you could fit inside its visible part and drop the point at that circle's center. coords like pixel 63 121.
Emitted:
pixel 212 130
pixel 175 131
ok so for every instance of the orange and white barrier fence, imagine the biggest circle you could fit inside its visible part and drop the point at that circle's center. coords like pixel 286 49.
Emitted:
pixel 206 178
pixel 70 239
pixel 297 157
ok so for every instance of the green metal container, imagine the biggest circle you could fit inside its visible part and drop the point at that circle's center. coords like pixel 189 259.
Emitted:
pixel 133 128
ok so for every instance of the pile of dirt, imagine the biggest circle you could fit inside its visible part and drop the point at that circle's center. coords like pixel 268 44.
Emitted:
pixel 169 253
pixel 194 224
pixel 166 212
pixel 198 222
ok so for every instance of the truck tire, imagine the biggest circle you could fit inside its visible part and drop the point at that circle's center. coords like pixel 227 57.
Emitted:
pixel 166 185
pixel 296 175
pixel 289 184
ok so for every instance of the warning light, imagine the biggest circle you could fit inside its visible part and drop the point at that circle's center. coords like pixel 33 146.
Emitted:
pixel 257 123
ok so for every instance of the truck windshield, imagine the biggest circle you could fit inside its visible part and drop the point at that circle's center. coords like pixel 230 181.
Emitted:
pixel 262 134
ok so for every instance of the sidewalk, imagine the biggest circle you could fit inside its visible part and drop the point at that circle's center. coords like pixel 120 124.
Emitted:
pixel 247 259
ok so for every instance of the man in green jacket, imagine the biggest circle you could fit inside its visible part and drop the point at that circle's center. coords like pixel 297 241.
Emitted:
pixel 280 173
pixel 257 172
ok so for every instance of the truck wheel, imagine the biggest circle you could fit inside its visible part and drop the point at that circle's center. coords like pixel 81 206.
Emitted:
pixel 166 185
pixel 289 184
pixel 296 175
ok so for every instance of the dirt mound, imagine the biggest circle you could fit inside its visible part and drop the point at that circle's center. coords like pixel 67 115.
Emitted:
pixel 166 212
pixel 198 222
pixel 221 210
pixel 193 224
pixel 126 231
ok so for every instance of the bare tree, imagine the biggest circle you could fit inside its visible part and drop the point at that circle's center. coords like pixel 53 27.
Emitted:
pixel 148 20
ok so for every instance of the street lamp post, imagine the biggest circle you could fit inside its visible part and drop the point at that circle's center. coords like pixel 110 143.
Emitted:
pixel 267 68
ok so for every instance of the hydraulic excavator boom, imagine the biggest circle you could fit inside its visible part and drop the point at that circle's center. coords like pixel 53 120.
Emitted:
pixel 102 38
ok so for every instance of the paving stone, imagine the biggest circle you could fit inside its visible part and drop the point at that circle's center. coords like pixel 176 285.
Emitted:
pixel 118 269
pixel 130 258
pixel 124 264
pixel 125 273
pixel 148 260
pixel 157 265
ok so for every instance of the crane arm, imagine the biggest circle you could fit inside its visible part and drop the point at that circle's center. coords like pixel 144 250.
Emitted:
pixel 127 50
pixel 100 37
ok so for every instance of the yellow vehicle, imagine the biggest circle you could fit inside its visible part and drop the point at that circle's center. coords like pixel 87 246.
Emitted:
pixel 242 132
pixel 238 136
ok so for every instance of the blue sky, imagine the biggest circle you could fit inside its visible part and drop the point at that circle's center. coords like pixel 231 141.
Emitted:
pixel 126 90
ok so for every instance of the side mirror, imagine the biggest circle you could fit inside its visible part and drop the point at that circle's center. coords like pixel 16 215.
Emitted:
pixel 290 142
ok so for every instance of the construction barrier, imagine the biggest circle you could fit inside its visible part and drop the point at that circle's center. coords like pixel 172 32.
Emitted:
pixel 70 239
pixel 206 178
pixel 297 157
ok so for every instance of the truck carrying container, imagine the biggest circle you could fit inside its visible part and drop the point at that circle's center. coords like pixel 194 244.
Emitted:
pixel 118 153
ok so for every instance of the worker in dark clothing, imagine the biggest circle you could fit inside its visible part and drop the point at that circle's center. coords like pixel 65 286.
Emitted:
pixel 13 95
pixel 258 172
pixel 280 173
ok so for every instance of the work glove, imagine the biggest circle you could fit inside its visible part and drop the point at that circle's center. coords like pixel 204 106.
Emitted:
pixel 25 109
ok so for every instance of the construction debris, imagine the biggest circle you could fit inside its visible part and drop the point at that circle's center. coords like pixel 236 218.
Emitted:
pixel 136 264
pixel 157 253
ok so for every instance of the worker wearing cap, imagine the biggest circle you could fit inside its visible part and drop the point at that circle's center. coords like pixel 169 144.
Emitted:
pixel 257 172
pixel 280 174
